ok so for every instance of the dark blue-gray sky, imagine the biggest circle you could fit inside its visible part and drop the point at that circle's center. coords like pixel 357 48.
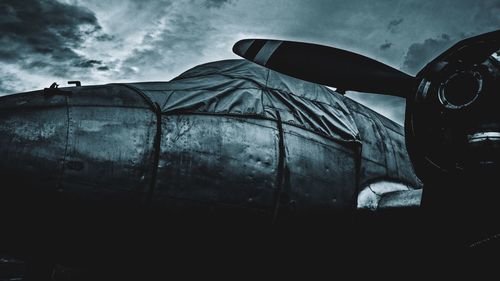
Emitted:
pixel 138 40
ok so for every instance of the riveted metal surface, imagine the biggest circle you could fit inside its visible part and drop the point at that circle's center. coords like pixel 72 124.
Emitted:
pixel 388 150
pixel 110 145
pixel 320 173
pixel 394 137
pixel 218 160
pixel 384 155
pixel 405 171
pixel 373 159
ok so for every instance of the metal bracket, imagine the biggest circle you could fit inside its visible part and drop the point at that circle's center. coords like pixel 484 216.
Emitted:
pixel 54 90
pixel 77 83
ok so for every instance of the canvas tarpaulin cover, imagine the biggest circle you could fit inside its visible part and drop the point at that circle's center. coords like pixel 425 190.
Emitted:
pixel 239 87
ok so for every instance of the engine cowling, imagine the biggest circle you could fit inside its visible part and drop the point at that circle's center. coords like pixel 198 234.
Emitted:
pixel 452 122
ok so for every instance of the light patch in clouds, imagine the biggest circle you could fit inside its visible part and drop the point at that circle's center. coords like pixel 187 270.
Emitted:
pixel 9 83
pixel 161 39
pixel 180 40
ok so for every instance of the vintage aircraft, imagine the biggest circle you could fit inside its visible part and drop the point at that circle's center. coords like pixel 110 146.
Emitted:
pixel 233 137
pixel 228 134
pixel 452 125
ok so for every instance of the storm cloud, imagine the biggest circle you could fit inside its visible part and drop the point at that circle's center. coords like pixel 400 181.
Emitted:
pixel 386 45
pixel 216 3
pixel 45 35
pixel 393 24
pixel 179 40
pixel 419 54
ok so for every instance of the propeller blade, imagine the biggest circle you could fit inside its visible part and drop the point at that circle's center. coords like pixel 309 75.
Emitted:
pixel 326 65
pixel 468 51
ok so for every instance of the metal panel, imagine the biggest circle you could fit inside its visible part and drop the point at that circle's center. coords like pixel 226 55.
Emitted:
pixel 322 173
pixel 405 171
pixel 110 145
pixel 373 153
pixel 218 161
pixel 33 132
pixel 384 153
pixel 112 95
pixel 388 150
pixel 396 141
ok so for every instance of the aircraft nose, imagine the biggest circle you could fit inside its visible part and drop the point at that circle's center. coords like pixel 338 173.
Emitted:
pixel 33 139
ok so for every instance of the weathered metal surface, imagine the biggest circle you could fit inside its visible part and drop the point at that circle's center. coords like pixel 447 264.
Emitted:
pixel 95 143
pixel 373 152
pixel 384 156
pixel 320 173
pixel 109 144
pixel 109 155
pixel 217 160
pixel 33 135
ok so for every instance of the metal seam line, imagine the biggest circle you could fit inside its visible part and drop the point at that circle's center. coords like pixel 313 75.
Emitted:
pixel 280 178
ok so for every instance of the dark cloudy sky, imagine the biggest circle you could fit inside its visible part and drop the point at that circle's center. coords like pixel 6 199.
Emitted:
pixel 96 41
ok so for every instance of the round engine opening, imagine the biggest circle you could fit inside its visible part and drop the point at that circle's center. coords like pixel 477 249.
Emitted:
pixel 460 90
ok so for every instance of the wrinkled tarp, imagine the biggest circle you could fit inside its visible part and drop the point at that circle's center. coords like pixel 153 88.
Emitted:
pixel 240 87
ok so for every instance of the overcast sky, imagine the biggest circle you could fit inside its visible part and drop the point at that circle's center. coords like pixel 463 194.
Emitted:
pixel 96 41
